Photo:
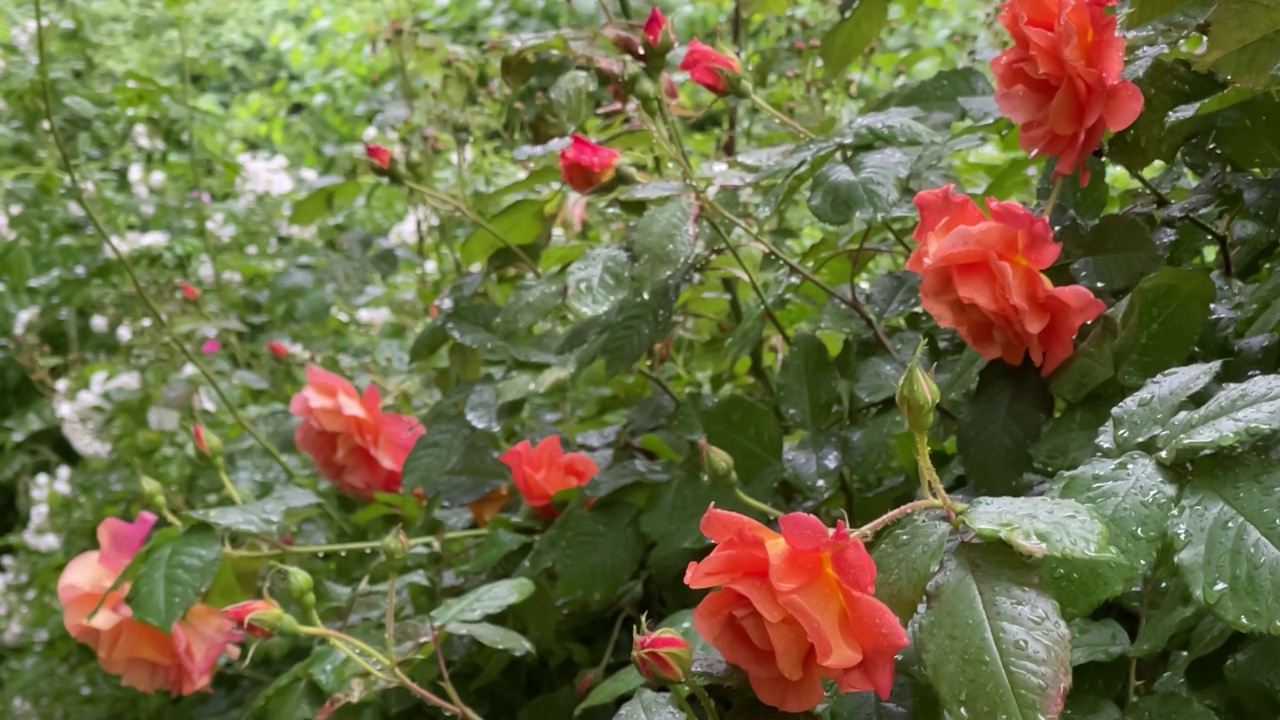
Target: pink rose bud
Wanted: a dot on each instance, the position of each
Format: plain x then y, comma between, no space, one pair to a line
190,292
662,656
206,442
379,155
278,349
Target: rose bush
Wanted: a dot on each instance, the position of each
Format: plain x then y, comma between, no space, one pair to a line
681,321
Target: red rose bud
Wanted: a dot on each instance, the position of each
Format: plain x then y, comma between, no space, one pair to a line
190,292
206,441
379,155
715,71
278,349
662,656
259,617
585,165
658,35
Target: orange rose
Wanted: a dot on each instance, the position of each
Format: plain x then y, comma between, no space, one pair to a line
794,608
180,662
352,442
1061,79
982,277
541,472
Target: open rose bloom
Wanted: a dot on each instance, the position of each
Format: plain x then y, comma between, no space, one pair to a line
541,472
181,661
1061,79
352,441
708,68
794,608
982,277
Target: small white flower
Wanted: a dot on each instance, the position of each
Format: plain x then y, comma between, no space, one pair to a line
24,318
99,323
124,333
156,179
373,316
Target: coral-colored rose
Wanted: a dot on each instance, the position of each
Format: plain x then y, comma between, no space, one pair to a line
708,68
982,277
351,440
257,617
794,608
1061,79
584,164
180,662
541,472
379,155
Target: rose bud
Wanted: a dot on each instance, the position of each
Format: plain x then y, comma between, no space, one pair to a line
379,155
585,165
259,617
715,71
658,35
190,292
917,396
279,349
206,442
662,656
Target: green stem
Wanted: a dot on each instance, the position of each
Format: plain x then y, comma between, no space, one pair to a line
683,702
391,619
475,217
361,545
781,117
1053,197
756,504
78,194
868,531
228,486
927,471
707,703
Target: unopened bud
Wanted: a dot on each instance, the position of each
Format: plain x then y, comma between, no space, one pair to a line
716,463
262,618
152,490
395,546
662,656
298,580
917,397
206,442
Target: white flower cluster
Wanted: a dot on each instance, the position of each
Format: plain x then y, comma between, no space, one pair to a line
374,317
23,37
23,319
134,240
141,137
261,175
219,227
39,535
100,324
14,596
141,183
406,232
83,413
294,232
204,271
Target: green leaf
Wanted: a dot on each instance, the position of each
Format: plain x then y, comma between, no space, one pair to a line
494,636
260,516
1244,41
497,544
663,240
593,576
1005,416
324,201
1171,611
1238,413
943,94
1251,675
482,602
596,281
993,643
1132,495
1115,254
1161,322
623,335
850,37
455,463
650,705
1165,85
623,682
1147,412
572,97
1227,538
1142,12
907,556
750,434
1097,641
894,293
523,222
1040,526
1168,705
174,576
807,384
1080,586
1090,707
864,188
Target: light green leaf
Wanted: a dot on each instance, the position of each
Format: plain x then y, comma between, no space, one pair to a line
1239,413
1227,538
623,682
324,201
523,222
1040,526
598,280
1097,641
572,96
663,240
1148,411
482,602
850,37
260,516
495,636
864,188
993,643
650,705
907,556
174,576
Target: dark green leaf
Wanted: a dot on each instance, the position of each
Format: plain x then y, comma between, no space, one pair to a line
174,576
1116,253
260,516
864,188
1165,85
482,602
993,643
1040,526
1238,413
944,94
597,280
1169,706
592,576
1244,41
1161,322
1097,641
494,636
807,391
623,335
623,682
907,556
749,433
894,293
1146,412
1005,416
572,97
850,37
1227,537
1251,675
663,240
455,463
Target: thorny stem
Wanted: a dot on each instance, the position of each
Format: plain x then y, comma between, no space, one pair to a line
929,474
756,504
707,703
78,194
868,531
361,545
781,117
445,680
475,217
